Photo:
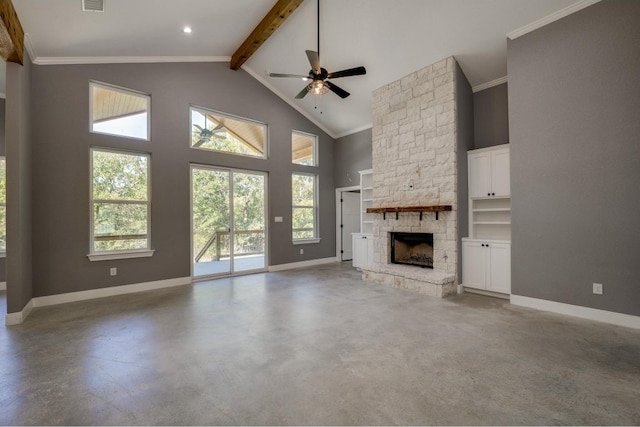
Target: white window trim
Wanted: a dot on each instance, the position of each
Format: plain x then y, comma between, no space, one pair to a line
316,160
231,116
316,208
120,254
124,90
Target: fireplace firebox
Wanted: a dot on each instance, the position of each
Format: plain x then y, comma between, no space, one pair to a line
412,249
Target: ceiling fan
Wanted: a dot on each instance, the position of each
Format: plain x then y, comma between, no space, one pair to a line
319,76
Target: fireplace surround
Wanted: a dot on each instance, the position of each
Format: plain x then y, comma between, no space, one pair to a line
422,129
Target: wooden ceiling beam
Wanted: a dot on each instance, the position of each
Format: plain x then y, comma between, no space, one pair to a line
270,23
11,34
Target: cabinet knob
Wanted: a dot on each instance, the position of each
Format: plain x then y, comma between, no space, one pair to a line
488,194
482,245
493,194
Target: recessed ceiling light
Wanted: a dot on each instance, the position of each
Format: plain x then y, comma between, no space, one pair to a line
186,30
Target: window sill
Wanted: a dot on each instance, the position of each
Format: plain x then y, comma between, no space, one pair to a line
305,241
107,256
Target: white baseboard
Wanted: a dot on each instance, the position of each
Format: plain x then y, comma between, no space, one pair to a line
611,317
301,264
17,318
3,286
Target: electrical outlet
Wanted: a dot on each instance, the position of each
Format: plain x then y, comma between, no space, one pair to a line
301,251
597,288
113,271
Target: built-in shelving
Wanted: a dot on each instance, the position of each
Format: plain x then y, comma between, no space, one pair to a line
366,201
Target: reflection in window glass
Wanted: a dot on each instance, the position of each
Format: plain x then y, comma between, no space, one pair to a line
120,112
303,148
219,132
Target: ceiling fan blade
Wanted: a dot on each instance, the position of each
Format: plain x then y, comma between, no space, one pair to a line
314,60
358,71
302,93
337,90
288,75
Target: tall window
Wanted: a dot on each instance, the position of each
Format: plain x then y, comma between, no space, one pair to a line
3,205
118,111
120,202
304,149
304,206
215,131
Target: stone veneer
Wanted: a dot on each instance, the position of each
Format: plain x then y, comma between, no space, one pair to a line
414,142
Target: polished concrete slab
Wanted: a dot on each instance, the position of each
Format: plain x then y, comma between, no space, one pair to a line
313,346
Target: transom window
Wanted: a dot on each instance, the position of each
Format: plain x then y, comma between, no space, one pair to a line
304,148
120,201
118,111
304,207
211,130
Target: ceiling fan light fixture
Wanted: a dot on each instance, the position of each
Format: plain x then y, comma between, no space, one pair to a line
318,87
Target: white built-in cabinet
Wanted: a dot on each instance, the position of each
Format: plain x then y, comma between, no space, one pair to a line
362,250
363,241
486,265
486,253
489,173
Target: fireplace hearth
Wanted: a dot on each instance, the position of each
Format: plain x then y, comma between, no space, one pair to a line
411,249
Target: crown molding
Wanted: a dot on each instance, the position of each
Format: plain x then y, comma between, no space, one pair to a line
69,60
288,100
551,18
126,59
355,130
487,85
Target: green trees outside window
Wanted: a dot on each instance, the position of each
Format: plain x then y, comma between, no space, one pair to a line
304,206
119,201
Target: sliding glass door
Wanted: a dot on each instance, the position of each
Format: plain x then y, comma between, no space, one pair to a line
228,221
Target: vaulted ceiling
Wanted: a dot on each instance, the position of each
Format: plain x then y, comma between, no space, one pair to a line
391,38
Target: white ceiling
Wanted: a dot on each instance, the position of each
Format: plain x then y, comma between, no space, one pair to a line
391,38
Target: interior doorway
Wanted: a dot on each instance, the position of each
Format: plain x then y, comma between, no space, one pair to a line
228,221
347,220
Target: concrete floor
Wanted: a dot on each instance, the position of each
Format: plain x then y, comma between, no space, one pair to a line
313,346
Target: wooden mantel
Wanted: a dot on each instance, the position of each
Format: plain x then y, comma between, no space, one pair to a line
421,209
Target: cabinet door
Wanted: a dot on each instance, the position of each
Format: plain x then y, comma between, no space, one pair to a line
480,175
501,185
474,264
359,250
499,277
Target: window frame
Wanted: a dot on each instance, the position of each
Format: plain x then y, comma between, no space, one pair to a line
315,139
147,96
315,207
95,255
205,111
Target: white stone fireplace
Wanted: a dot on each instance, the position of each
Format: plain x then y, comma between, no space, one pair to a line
415,164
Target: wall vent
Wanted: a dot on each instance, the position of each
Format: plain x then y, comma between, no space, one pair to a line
93,5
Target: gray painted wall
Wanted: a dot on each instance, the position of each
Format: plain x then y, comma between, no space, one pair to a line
352,153
19,185
574,103
61,168
464,135
491,111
